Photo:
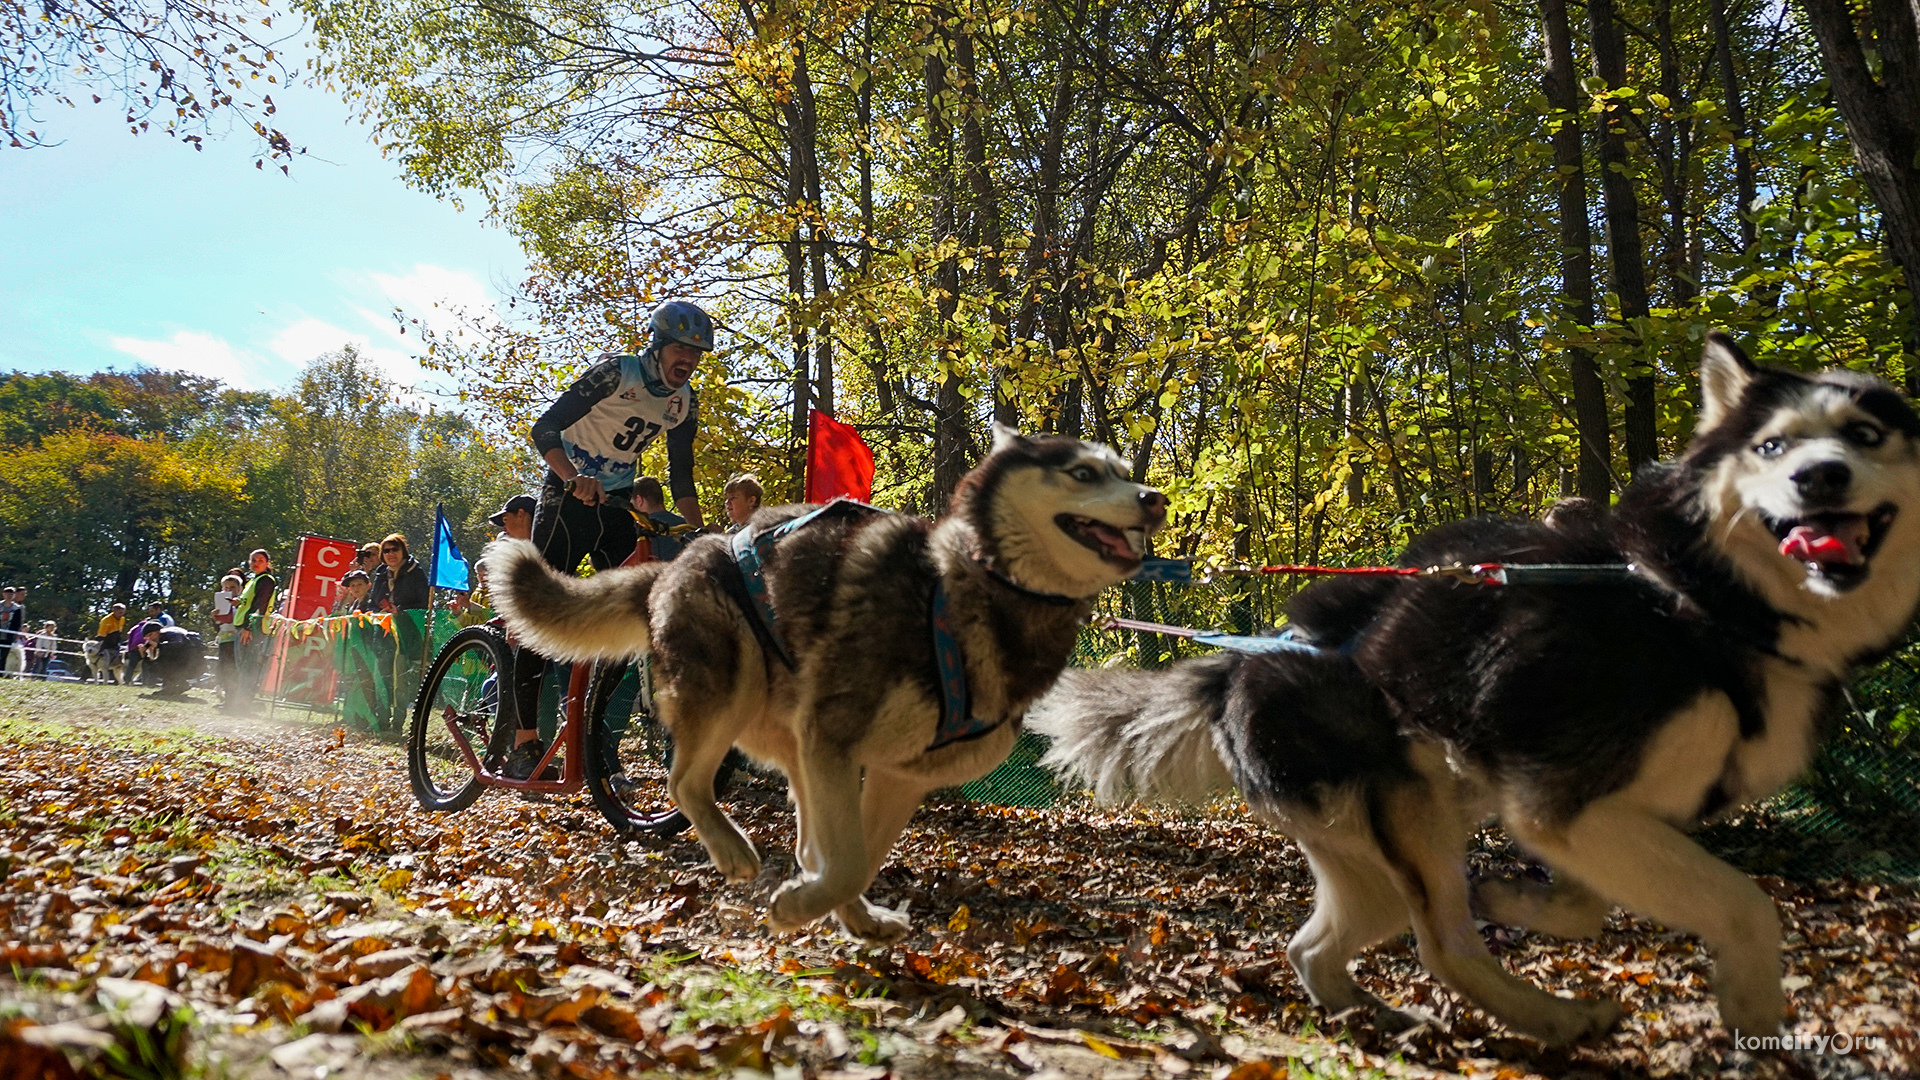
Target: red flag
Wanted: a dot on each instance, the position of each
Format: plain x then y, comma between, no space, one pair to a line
838,462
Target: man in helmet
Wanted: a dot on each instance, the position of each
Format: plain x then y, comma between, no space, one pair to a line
591,438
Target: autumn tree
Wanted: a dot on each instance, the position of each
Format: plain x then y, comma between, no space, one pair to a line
178,64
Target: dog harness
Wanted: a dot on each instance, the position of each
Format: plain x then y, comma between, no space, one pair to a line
751,548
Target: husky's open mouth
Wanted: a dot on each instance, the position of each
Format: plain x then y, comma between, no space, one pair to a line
1836,545
1122,547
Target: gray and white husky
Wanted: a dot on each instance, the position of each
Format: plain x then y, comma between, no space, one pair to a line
1596,722
847,697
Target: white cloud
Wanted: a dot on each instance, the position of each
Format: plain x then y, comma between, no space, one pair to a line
442,299
201,353
299,342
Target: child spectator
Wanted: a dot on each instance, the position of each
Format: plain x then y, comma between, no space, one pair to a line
743,495
41,647
354,588
226,604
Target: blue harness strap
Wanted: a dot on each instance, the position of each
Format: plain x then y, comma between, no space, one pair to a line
750,551
957,722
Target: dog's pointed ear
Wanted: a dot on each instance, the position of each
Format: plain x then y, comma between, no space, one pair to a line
1725,372
1003,436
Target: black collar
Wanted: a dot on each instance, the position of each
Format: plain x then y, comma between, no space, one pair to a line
1056,599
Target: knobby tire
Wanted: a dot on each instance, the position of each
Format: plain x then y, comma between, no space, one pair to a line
491,645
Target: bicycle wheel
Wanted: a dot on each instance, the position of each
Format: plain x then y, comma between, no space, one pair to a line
629,753
458,703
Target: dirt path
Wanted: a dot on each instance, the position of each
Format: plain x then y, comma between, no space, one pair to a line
277,875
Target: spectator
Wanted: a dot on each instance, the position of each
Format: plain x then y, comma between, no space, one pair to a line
226,605
651,500
400,587
354,588
401,583
173,657
41,647
743,495
253,638
515,519
157,611
9,607
13,624
136,660
113,628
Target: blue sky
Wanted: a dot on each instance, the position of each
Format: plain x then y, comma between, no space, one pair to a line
122,250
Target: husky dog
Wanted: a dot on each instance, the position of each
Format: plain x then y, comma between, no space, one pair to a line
1597,722
846,696
100,666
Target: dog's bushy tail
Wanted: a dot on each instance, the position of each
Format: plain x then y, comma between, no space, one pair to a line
1139,735
603,617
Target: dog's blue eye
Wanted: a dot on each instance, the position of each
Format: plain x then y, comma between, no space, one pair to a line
1863,434
1082,473
1771,448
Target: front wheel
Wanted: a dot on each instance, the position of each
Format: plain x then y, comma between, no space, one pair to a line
455,711
629,754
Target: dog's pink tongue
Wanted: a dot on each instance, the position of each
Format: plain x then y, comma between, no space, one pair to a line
1112,539
1815,544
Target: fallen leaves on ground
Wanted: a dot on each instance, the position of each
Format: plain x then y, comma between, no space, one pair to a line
277,874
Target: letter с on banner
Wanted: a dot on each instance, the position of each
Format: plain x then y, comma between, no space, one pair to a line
316,576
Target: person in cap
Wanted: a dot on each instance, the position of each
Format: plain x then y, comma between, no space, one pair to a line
354,587
515,519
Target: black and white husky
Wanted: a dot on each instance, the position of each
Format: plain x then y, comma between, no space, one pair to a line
1596,722
838,675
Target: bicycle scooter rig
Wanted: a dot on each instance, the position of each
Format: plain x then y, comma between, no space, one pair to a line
607,741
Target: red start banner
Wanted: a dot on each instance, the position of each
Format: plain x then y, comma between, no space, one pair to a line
317,571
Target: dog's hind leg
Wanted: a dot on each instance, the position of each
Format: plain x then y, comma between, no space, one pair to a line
703,731
1565,909
887,803
1648,866
1423,834
1354,905
828,794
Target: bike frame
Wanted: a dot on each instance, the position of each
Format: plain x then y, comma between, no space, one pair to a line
572,736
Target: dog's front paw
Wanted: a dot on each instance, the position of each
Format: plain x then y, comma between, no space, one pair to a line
792,906
1582,1019
733,856
872,923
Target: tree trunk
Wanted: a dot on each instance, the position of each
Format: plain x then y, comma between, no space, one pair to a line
1623,231
863,114
950,434
1883,123
1595,459
983,231
1744,184
1676,152
807,145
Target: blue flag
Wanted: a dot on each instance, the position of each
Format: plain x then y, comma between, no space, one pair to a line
1178,570
449,569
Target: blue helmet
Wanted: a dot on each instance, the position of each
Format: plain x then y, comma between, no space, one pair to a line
682,321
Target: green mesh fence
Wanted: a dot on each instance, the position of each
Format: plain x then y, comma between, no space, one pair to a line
1856,813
